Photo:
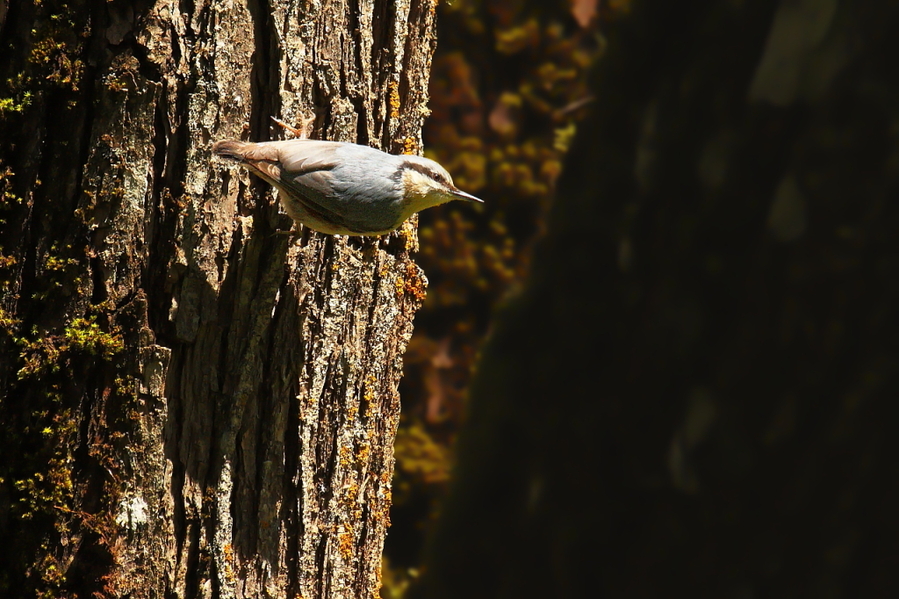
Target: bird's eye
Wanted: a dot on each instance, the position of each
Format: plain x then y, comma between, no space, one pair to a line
440,178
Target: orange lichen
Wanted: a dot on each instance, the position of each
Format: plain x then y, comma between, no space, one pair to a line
346,543
410,145
393,99
413,283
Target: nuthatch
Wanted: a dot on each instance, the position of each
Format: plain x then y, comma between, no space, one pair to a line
344,188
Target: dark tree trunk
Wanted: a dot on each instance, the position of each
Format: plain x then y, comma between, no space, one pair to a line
695,395
194,405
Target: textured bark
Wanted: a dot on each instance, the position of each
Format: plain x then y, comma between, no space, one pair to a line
231,408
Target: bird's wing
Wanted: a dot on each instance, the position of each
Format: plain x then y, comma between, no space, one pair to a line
301,167
300,156
307,165
305,169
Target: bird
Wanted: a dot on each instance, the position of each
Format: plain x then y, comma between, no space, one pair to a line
342,188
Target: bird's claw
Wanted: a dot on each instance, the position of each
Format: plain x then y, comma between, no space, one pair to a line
301,133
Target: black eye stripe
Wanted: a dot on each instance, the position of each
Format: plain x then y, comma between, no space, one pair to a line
427,172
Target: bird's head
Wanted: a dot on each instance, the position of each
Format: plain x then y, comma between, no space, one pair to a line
426,184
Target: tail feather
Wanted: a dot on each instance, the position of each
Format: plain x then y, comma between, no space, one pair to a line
236,150
246,151
259,158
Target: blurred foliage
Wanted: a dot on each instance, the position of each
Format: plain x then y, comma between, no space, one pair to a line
508,86
695,393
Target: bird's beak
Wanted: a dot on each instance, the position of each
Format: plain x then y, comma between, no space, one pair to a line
461,195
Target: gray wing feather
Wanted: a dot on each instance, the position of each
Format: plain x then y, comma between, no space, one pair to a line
300,156
309,169
306,169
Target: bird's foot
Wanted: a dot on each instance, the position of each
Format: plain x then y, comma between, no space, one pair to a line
301,133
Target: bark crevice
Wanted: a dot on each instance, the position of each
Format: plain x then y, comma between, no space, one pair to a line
238,387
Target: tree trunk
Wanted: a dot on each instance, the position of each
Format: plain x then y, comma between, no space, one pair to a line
194,405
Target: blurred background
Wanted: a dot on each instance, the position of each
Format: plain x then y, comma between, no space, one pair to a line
508,87
663,356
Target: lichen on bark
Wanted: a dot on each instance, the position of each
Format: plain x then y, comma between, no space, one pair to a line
239,444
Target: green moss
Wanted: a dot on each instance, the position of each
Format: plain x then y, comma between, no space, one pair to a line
84,334
7,197
8,105
46,353
58,47
52,487
8,323
61,272
58,367
63,366
54,58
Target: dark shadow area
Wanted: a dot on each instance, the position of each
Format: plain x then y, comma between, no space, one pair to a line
695,392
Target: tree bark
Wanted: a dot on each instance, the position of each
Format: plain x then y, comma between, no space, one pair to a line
194,405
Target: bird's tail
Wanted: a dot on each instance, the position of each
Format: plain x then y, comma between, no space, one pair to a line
246,151
236,150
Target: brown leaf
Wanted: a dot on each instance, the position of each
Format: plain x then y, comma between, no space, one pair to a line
584,11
